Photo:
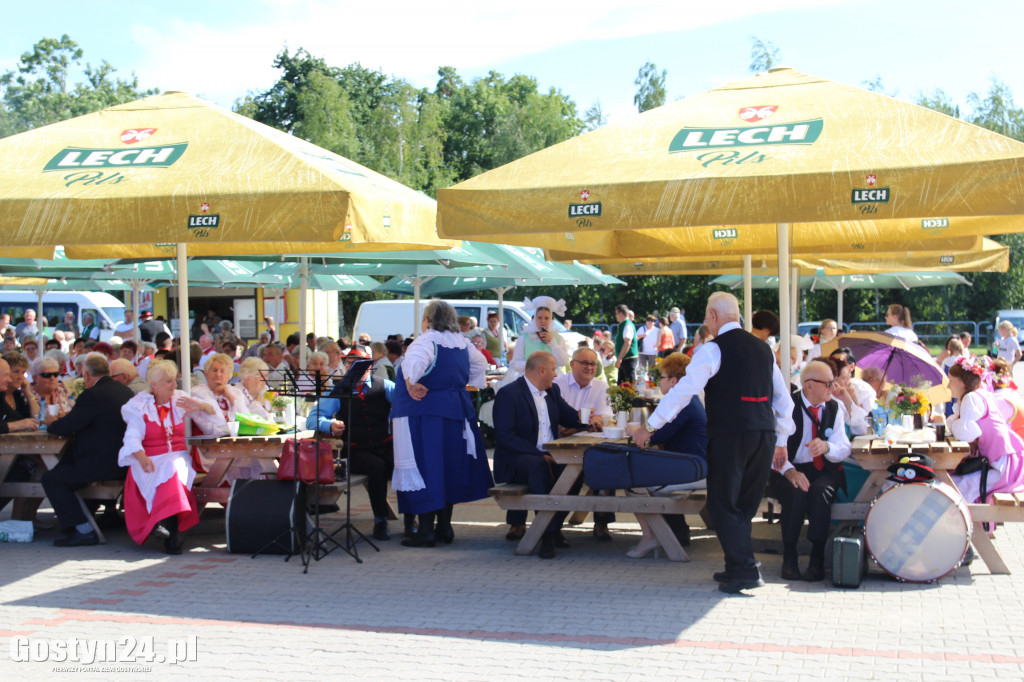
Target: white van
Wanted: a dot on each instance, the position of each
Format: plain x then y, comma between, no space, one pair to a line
107,310
381,318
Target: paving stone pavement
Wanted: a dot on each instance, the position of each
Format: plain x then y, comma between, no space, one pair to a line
473,610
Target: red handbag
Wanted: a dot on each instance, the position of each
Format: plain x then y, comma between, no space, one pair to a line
313,466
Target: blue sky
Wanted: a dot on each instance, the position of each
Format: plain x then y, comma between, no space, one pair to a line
222,50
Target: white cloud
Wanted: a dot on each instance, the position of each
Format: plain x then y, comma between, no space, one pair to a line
409,39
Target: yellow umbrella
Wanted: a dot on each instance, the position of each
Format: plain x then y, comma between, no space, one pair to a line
738,240
986,256
174,169
781,147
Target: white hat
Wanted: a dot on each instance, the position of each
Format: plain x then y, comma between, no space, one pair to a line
556,307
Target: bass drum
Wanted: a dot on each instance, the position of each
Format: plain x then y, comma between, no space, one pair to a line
918,532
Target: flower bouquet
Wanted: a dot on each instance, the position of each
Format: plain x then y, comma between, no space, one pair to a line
622,396
910,401
77,387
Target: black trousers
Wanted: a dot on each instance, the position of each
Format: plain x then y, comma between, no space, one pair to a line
815,505
738,468
536,473
377,464
61,482
627,370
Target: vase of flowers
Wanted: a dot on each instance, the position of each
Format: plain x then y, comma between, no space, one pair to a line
910,401
282,406
621,397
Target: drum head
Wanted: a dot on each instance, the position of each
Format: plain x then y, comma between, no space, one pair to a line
918,532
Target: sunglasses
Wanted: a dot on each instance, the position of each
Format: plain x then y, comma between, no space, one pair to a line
828,384
49,375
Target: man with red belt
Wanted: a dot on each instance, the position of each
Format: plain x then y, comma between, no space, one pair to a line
812,472
749,418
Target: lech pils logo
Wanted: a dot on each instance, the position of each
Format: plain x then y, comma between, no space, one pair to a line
585,209
946,260
874,195
798,132
200,224
78,158
934,223
725,235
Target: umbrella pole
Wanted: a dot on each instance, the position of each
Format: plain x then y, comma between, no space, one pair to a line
303,292
501,325
782,245
417,282
40,320
839,309
748,287
184,341
136,289
794,299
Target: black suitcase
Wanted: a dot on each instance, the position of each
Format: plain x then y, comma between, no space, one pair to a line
609,466
849,558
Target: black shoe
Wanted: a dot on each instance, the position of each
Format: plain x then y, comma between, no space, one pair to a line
968,557
547,549
790,570
722,577
77,539
515,533
601,533
739,584
421,539
559,541
815,571
445,534
410,525
173,546
380,531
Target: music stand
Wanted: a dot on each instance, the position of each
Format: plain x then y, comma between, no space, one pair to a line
343,390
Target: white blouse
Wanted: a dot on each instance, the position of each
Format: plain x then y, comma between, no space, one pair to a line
420,356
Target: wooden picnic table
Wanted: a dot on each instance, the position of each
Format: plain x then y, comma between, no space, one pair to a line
876,455
47,449
569,451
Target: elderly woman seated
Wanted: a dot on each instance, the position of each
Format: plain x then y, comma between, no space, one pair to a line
160,475
220,401
18,396
317,362
253,385
47,386
687,433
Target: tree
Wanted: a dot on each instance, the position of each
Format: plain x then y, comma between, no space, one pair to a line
650,92
39,92
763,55
594,118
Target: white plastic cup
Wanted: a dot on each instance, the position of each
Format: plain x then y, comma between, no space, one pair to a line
52,410
585,415
233,429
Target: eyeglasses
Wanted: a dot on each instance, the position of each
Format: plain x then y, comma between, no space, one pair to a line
112,376
585,364
828,384
49,375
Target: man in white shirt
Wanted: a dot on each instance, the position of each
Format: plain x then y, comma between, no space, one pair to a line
126,329
649,335
677,323
581,390
749,418
812,471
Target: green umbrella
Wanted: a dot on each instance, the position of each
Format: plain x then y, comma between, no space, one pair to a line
840,283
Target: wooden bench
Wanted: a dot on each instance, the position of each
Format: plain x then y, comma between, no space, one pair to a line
30,494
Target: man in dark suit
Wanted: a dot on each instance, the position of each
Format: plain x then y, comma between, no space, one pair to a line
527,414
96,423
806,483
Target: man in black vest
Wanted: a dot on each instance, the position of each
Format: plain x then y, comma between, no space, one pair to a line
749,417
370,434
812,472
98,427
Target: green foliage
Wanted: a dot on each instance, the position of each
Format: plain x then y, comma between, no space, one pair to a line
650,87
39,92
763,55
594,118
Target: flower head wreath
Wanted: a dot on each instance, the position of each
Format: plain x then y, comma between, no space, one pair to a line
977,369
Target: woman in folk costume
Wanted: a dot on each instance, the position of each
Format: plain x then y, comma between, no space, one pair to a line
440,458
977,420
160,474
1011,404
541,334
